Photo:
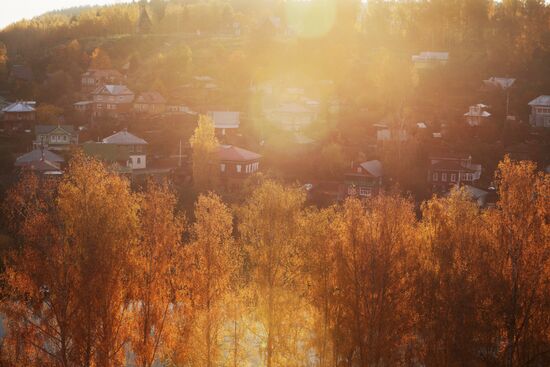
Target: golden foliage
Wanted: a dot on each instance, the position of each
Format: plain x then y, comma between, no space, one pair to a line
97,270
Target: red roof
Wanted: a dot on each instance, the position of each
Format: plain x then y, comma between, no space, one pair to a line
236,154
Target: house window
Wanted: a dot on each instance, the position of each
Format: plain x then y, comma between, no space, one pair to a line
138,160
453,177
64,137
444,177
363,191
238,168
434,176
99,106
222,167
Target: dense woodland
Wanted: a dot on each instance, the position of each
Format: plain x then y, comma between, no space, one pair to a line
96,271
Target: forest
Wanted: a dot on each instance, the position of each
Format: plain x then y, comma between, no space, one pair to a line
98,274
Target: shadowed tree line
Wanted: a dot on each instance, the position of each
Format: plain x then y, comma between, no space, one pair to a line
100,275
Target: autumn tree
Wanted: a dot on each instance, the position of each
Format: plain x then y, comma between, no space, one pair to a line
3,60
450,289
205,146
49,114
269,229
374,246
519,270
100,216
68,278
215,261
320,273
38,279
157,272
100,59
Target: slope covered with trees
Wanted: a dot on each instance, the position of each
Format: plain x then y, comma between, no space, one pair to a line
98,270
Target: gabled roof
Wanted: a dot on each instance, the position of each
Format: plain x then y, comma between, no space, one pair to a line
83,103
225,119
20,107
42,166
540,101
236,154
478,113
36,155
150,97
374,167
113,89
497,82
124,138
475,192
46,129
431,56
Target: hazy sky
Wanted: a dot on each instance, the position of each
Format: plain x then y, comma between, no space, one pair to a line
14,10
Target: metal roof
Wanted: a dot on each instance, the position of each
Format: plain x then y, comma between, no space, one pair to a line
478,113
543,100
46,129
431,56
225,119
42,166
20,107
236,154
374,167
113,89
503,83
124,138
36,155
